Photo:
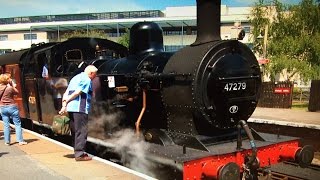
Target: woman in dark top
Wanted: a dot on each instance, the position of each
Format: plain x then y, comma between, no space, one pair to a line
9,109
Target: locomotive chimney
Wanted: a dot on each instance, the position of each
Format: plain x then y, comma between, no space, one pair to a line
208,21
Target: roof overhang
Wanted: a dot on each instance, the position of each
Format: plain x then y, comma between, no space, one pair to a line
114,23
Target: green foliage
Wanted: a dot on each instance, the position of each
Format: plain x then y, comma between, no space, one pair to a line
258,21
125,39
293,38
300,105
84,33
296,90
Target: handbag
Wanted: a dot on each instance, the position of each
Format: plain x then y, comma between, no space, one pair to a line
3,92
61,125
1,97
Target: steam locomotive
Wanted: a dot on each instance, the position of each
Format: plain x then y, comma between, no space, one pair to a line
191,106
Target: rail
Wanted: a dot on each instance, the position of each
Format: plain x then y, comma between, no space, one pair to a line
292,171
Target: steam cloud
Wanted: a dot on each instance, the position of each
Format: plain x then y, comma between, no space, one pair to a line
104,124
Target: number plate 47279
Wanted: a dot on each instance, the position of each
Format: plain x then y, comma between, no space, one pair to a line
235,86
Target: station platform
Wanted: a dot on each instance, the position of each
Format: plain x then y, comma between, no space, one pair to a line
44,158
286,117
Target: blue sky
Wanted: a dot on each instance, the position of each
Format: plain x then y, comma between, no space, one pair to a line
15,8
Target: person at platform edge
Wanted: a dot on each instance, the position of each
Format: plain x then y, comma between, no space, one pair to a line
9,109
77,101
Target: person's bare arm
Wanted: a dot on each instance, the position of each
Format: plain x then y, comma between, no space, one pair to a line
14,86
66,99
69,98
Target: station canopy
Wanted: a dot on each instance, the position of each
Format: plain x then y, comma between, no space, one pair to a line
111,25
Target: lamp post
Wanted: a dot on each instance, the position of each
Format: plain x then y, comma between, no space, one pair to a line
265,41
264,59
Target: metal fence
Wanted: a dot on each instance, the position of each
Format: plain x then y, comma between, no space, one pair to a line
301,95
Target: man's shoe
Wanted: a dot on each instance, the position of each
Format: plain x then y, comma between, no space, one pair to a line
83,157
22,143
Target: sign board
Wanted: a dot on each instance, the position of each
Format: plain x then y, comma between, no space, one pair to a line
282,90
263,61
111,82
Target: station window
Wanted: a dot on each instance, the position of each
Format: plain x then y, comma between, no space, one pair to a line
3,37
172,48
3,51
172,33
30,36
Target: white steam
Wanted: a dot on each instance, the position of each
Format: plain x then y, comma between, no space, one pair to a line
104,124
132,149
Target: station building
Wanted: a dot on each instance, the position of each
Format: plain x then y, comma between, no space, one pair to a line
178,24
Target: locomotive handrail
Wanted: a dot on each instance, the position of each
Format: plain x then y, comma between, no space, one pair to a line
165,76
149,76
239,77
144,106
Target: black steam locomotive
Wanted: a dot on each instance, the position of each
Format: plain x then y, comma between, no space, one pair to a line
204,89
191,105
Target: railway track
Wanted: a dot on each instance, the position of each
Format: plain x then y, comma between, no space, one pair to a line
292,171
289,170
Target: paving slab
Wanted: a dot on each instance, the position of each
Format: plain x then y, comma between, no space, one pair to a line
44,158
286,117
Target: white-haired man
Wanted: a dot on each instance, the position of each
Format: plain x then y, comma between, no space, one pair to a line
76,101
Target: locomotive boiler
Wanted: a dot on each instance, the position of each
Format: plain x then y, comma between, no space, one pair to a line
193,104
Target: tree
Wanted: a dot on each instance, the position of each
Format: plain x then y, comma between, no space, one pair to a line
84,33
293,38
125,39
259,20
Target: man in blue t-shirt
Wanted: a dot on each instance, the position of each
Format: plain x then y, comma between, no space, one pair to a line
76,101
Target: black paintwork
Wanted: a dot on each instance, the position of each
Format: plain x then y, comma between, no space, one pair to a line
41,97
186,91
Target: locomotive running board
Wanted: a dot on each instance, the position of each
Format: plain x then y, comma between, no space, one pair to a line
166,138
188,141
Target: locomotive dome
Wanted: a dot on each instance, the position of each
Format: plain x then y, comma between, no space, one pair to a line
145,37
